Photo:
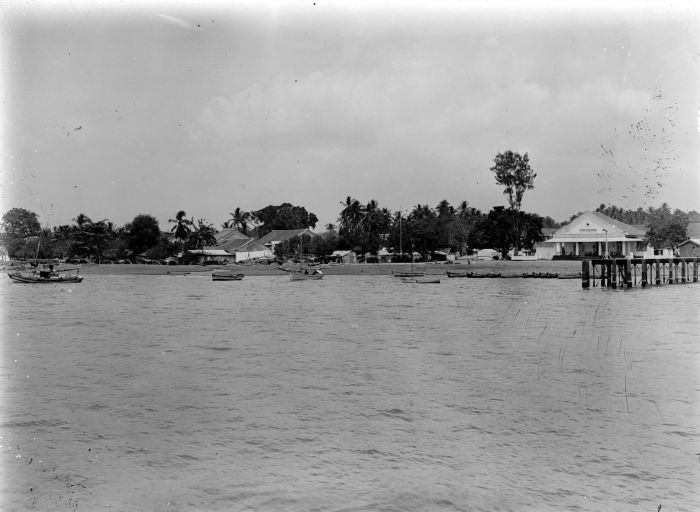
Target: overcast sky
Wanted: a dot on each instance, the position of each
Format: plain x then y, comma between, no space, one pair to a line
117,109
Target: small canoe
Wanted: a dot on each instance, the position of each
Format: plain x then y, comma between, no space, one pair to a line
421,280
541,275
226,275
487,275
408,274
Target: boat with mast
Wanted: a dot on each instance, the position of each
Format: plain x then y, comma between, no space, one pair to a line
412,273
46,274
304,275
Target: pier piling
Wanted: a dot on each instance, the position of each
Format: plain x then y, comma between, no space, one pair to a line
607,273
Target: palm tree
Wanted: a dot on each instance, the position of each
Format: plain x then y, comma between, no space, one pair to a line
351,219
240,220
203,234
81,240
182,227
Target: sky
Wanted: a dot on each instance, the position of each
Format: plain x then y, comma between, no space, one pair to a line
115,109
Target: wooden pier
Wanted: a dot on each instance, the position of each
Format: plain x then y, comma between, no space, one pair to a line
629,272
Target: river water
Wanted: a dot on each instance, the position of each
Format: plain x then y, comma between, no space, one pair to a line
355,393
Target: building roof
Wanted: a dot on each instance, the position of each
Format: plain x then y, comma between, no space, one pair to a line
695,241
597,227
227,234
209,252
340,253
243,245
281,235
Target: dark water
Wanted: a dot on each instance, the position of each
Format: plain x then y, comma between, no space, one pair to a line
176,393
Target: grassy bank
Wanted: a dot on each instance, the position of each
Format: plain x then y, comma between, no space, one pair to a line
504,267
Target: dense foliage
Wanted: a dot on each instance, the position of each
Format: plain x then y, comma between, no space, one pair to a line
284,216
514,173
365,228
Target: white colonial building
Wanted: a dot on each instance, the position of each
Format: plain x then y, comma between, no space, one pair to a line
593,234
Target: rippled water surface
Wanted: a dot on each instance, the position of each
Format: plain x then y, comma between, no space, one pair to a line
176,393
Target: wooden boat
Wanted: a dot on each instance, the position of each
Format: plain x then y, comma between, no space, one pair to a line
487,275
304,275
541,275
46,276
226,275
421,280
410,274
456,274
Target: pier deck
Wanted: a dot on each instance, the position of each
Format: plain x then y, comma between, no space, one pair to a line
630,272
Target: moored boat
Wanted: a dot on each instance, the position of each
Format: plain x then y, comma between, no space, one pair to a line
305,275
421,280
226,275
486,275
408,274
46,276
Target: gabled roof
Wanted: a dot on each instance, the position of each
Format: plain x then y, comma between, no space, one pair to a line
281,235
209,252
694,241
227,234
593,226
243,245
340,253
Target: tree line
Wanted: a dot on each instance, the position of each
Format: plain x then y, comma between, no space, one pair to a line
364,227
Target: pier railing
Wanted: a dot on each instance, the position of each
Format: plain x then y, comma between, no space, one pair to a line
629,272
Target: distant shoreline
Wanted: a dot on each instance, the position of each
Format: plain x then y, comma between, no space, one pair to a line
565,267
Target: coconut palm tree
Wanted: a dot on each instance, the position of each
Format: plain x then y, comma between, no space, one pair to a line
182,227
202,234
351,219
240,220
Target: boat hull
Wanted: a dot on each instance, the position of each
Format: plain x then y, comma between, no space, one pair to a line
295,276
227,277
421,280
409,274
30,279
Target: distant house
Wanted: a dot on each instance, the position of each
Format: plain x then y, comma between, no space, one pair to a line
343,257
278,236
243,247
593,234
229,234
546,249
210,255
690,248
487,254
